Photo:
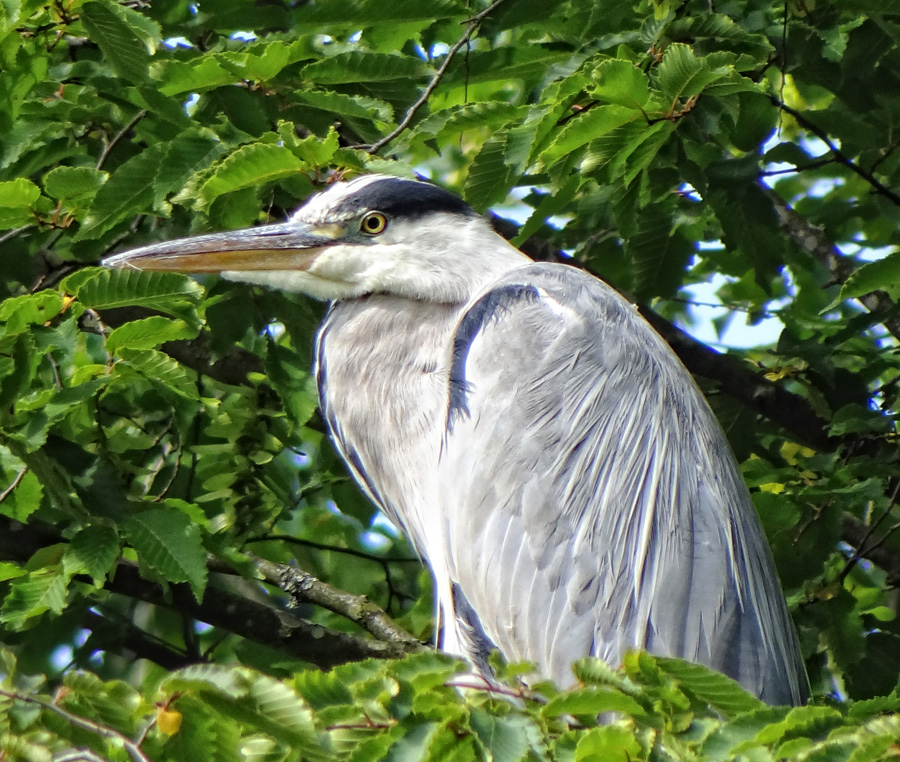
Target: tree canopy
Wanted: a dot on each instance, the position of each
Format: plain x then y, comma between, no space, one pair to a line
186,569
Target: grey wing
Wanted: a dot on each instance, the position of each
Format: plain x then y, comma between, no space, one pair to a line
592,503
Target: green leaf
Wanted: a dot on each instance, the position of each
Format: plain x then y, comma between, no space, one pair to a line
489,179
551,204
202,73
347,105
25,499
610,743
41,591
159,368
682,75
148,333
592,702
106,289
169,543
73,182
710,687
22,312
358,66
507,738
468,116
129,191
314,151
10,571
658,254
247,167
94,549
122,46
881,275
620,82
18,193
583,128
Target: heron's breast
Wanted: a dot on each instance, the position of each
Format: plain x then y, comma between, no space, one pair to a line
383,368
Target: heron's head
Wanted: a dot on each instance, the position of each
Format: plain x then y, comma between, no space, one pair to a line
374,234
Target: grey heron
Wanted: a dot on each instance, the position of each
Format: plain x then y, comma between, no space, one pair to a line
547,454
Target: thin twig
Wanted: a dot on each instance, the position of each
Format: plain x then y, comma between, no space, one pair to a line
347,551
80,722
471,26
118,136
15,483
13,233
862,547
804,122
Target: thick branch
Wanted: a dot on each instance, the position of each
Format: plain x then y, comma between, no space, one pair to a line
264,624
304,588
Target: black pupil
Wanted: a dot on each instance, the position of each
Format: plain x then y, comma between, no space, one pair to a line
373,222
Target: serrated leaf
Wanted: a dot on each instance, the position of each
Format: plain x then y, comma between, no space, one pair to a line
25,499
710,686
148,333
128,191
10,571
168,542
657,254
18,193
321,689
468,116
93,549
21,312
158,368
28,597
261,702
73,182
608,743
620,82
249,166
359,66
313,151
489,179
106,289
202,73
682,75
584,128
884,274
294,383
122,47
507,738
346,105
593,702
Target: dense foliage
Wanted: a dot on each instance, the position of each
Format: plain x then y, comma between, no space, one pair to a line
164,477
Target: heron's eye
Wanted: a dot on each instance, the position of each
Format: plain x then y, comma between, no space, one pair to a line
373,223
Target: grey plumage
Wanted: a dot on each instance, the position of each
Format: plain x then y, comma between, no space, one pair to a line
545,451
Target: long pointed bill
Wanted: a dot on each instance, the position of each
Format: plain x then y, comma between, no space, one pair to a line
289,246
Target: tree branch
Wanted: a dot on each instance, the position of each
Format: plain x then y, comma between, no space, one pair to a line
813,241
822,135
265,624
471,27
131,747
304,588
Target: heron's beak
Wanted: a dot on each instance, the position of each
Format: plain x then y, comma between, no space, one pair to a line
288,246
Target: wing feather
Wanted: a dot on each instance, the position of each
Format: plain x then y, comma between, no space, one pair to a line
592,503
